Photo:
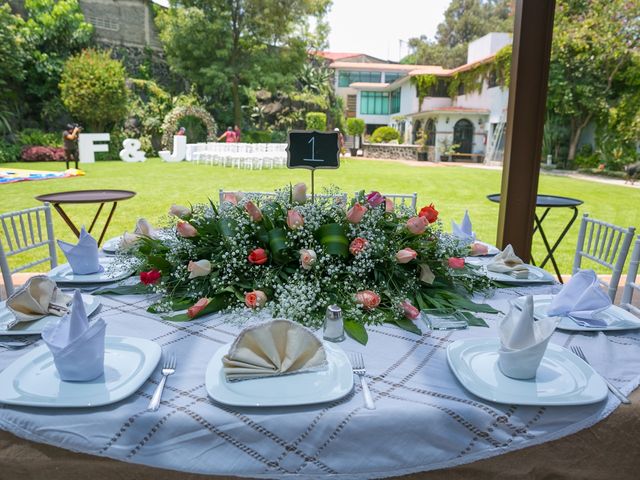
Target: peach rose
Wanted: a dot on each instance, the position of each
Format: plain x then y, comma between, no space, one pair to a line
368,299
299,193
197,307
409,310
478,249
406,255
389,207
456,263
201,268
417,225
307,258
357,245
186,230
231,198
253,211
355,213
294,220
179,211
128,240
255,299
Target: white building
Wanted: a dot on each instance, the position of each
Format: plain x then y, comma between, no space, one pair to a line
383,94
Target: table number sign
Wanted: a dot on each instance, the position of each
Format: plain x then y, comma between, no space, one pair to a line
313,150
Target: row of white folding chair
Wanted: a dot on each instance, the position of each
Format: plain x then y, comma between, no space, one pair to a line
245,155
403,199
26,230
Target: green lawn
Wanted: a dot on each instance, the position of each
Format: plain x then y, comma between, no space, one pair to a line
451,188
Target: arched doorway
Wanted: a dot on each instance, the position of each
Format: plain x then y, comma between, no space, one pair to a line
415,131
463,135
430,132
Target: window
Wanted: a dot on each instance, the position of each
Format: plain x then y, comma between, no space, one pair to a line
463,135
347,78
440,89
492,81
374,103
394,101
391,77
430,132
105,23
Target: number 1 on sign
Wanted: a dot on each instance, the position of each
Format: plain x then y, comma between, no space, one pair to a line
313,151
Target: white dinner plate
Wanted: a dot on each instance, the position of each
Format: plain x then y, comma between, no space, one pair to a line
111,246
299,389
562,378
536,275
91,303
62,274
616,318
33,381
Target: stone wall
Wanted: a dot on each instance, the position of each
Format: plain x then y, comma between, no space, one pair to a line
390,150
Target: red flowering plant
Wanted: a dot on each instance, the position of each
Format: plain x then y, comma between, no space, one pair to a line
292,258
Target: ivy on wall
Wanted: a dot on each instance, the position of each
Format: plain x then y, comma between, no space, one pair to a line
423,85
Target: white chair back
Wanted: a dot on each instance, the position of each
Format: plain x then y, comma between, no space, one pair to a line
339,198
605,244
405,199
22,231
631,285
256,195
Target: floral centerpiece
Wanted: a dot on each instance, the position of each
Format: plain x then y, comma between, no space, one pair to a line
294,257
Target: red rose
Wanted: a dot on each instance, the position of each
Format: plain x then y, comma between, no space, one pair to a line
456,263
150,277
197,307
258,256
429,212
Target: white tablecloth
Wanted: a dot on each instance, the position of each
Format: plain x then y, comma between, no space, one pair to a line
424,418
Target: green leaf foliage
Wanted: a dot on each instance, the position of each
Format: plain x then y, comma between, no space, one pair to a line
356,331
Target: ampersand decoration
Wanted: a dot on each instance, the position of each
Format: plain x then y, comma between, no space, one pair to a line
131,151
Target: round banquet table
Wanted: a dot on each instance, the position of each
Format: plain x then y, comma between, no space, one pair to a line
87,196
424,421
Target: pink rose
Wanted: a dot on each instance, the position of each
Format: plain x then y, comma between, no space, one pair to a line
258,256
307,258
389,207
179,211
255,299
374,199
417,225
478,249
299,193
253,211
357,245
197,307
355,213
456,263
186,230
231,198
368,299
406,255
294,220
409,310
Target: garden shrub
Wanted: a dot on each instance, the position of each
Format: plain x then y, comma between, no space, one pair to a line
256,136
355,126
9,152
586,157
384,135
42,154
36,137
316,121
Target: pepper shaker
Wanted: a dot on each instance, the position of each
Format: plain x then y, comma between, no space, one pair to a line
333,330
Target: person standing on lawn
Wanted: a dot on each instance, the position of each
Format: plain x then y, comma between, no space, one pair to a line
70,141
236,131
229,136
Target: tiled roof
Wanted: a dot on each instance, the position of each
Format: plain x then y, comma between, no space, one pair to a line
386,67
334,56
457,110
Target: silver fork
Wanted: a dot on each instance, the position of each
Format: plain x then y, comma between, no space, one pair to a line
621,396
169,368
18,344
357,365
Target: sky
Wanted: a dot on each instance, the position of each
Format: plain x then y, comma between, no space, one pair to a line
376,27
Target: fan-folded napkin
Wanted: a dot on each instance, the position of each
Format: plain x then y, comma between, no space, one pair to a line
37,298
581,299
279,347
464,231
508,262
77,346
523,341
82,257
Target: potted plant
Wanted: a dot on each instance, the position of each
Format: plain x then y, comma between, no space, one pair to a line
447,149
355,128
423,150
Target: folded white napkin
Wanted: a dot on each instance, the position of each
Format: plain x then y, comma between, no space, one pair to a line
82,257
523,341
77,345
508,262
464,231
581,299
280,347
37,298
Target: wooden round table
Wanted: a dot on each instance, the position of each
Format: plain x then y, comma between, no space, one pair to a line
87,196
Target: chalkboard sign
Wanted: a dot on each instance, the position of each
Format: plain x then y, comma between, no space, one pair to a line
312,149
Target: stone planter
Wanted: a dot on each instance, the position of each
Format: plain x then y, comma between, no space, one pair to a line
423,156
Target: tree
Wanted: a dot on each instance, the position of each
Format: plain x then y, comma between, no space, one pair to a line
53,31
234,45
594,47
12,59
464,21
93,89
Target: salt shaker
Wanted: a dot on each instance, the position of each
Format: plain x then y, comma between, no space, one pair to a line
333,329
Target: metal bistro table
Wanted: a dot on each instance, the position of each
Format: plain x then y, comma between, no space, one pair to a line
87,196
548,202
